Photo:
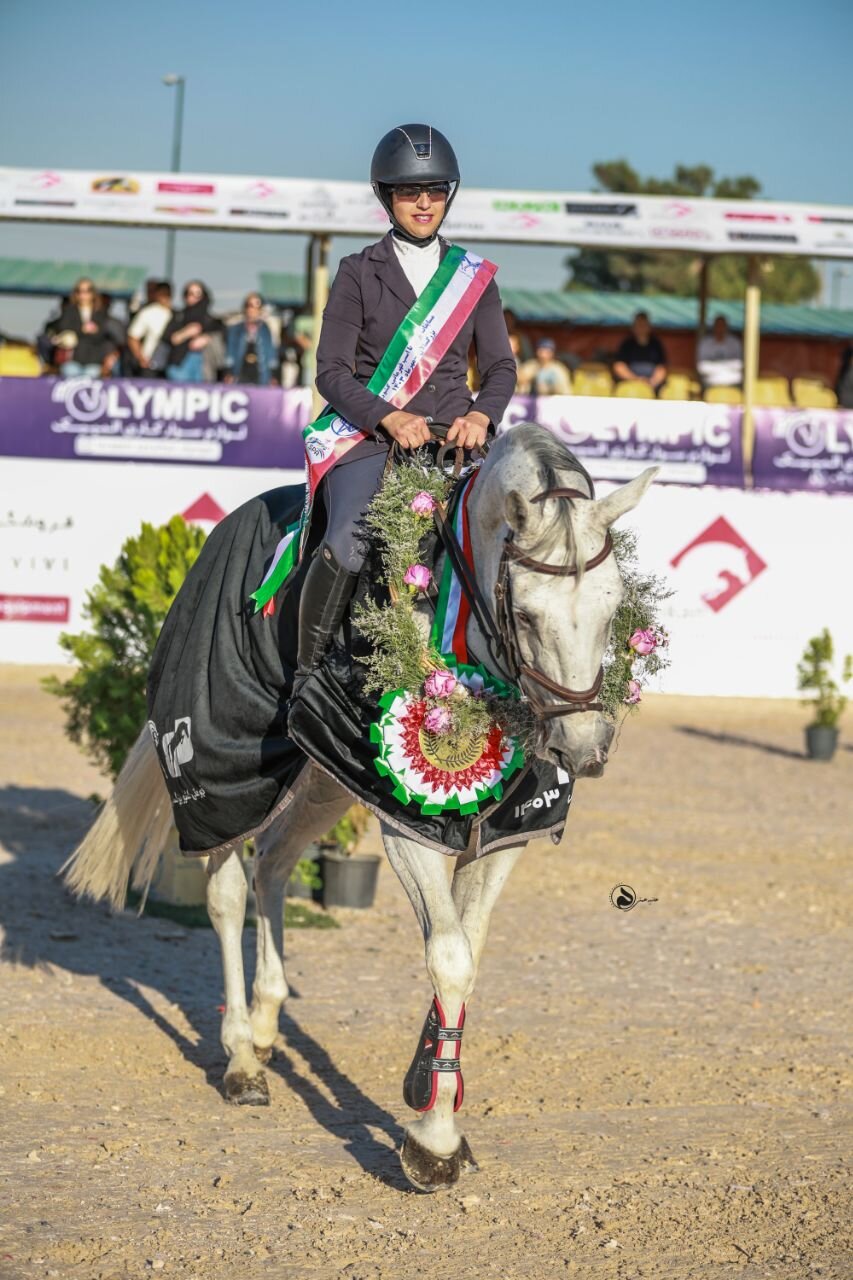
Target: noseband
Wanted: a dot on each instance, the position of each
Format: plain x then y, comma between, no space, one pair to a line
575,700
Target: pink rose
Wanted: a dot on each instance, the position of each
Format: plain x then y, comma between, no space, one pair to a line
440,684
438,720
643,642
423,503
634,694
417,576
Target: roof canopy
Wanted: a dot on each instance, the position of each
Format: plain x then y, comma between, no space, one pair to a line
282,288
252,203
49,279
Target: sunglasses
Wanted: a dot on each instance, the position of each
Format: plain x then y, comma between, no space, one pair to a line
412,190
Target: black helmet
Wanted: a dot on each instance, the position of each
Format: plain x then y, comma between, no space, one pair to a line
413,153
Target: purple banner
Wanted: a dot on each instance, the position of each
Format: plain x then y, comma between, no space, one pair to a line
693,443
129,420
804,449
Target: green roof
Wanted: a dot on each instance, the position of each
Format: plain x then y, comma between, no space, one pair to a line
24,275
282,289
617,310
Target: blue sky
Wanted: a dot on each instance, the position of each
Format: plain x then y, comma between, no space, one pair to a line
531,96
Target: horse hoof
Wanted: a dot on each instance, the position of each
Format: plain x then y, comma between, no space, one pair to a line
247,1091
263,1055
466,1158
429,1172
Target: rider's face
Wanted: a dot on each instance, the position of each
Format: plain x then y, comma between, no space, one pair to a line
420,215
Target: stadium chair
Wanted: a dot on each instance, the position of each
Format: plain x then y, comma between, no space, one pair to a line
678,386
772,390
633,389
17,361
813,393
723,395
587,381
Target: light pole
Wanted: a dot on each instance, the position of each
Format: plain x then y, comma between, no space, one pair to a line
179,83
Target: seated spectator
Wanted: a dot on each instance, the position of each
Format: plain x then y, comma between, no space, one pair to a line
82,339
250,351
545,375
195,337
641,357
719,356
844,385
145,334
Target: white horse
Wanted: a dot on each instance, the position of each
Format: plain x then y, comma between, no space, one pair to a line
560,626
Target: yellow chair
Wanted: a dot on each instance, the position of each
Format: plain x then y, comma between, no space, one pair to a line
772,390
633,389
678,386
723,395
813,393
17,361
592,382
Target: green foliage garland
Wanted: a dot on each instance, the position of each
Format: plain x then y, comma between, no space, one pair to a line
639,611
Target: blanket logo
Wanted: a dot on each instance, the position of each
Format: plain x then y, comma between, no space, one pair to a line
178,746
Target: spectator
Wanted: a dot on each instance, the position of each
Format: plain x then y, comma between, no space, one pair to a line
545,375
719,356
250,350
641,357
192,333
145,334
844,385
83,330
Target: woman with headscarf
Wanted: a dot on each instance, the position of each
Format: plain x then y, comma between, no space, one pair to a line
189,334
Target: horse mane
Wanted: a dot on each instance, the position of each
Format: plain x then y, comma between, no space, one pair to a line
551,458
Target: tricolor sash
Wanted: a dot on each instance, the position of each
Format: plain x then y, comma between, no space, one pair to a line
424,336
452,609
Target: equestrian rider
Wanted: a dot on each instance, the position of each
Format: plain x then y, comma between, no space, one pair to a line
415,176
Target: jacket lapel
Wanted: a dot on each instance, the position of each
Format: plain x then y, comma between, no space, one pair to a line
387,267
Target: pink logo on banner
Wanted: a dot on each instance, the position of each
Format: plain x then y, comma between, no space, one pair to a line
205,510
34,608
732,562
187,188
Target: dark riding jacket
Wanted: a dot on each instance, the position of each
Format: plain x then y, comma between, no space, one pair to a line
369,298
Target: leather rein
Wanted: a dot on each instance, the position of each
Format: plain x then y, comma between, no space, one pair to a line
498,630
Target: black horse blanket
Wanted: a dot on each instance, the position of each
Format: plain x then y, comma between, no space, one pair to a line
230,739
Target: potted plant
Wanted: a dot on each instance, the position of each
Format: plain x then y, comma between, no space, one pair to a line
815,672
349,878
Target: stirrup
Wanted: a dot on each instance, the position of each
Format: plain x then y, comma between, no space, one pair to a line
420,1087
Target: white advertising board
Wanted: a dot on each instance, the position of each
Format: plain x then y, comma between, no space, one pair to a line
257,203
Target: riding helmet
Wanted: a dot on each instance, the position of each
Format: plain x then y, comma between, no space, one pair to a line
408,154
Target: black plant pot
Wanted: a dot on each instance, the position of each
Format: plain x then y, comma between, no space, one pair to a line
821,741
349,881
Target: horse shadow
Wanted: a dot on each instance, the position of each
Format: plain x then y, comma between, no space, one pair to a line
738,740
43,926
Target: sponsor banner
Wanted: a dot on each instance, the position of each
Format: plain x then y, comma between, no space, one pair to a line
804,449
693,443
743,609
149,420
350,208
59,523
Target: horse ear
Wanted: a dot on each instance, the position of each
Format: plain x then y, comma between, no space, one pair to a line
517,511
625,498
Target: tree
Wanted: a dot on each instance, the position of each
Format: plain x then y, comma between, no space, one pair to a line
785,279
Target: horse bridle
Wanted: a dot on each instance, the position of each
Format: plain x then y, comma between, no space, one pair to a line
498,631
576,700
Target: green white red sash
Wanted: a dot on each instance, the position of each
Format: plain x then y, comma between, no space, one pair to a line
452,609
424,336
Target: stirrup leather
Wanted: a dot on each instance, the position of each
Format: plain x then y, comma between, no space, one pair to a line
420,1087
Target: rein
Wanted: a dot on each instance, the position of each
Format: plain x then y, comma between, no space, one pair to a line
498,630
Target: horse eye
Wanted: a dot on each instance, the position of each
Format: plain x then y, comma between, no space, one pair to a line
523,619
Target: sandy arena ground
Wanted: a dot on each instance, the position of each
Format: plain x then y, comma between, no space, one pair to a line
660,1092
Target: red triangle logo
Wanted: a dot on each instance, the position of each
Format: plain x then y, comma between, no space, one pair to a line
204,508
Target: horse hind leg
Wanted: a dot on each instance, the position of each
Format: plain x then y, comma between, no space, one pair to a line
317,804
227,891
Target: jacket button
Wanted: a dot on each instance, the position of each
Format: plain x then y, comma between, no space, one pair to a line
431,386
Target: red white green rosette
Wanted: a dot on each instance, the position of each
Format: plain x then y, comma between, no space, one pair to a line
441,772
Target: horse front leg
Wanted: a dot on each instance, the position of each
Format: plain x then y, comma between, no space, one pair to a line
434,1151
227,891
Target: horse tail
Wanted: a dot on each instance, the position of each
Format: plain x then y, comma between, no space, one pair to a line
128,834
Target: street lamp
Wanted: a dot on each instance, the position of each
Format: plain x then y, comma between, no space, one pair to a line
179,83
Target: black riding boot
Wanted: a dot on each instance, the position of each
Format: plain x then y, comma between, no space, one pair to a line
326,593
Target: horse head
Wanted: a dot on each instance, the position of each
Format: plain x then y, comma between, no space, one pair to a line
558,621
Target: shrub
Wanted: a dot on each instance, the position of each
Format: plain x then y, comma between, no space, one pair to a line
348,832
105,697
814,671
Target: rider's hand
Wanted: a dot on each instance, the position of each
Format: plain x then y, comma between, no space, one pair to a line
469,431
408,429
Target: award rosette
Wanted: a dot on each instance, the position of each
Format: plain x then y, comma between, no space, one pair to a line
444,771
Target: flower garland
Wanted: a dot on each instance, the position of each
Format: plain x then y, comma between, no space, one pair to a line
637,649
